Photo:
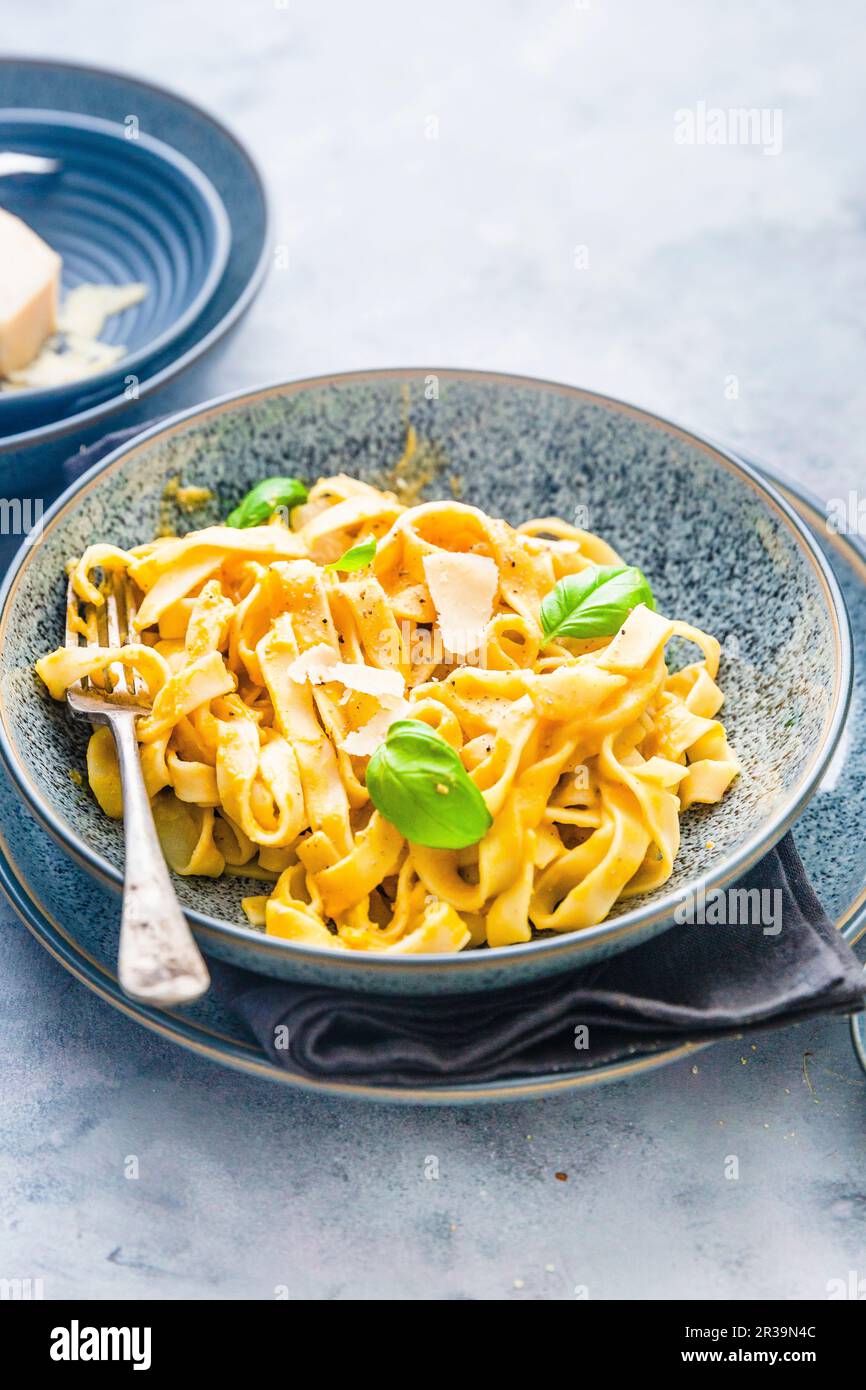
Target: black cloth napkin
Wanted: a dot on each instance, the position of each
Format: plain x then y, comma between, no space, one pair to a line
690,984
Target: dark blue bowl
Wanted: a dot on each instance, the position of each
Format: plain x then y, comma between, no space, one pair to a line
123,207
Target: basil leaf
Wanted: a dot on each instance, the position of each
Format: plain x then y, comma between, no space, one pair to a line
594,603
418,783
263,500
357,557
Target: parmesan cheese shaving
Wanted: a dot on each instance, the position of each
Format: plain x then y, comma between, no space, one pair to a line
366,740
463,589
321,663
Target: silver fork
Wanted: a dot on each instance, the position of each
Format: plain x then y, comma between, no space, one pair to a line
158,961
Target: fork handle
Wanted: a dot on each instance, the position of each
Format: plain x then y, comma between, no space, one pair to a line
158,961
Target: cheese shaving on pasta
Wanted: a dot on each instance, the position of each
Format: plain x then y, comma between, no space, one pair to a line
270,681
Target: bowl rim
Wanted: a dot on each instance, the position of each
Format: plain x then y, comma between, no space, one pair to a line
220,228
658,913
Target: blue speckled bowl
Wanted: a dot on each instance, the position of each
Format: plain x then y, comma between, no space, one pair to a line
722,548
74,915
118,210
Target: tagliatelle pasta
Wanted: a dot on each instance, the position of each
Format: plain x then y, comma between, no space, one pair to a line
274,681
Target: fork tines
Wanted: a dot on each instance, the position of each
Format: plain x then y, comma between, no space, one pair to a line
109,625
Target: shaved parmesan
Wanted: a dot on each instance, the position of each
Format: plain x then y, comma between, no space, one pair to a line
463,588
316,665
366,740
321,663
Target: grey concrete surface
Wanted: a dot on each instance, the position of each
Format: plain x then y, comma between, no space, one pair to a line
551,225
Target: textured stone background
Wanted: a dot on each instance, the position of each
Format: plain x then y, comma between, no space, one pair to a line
555,131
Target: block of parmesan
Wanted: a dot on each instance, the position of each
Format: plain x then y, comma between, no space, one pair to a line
29,288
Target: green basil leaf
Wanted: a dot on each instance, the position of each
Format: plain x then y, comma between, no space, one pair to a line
357,557
418,783
594,603
263,500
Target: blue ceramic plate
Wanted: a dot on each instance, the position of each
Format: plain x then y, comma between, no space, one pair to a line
118,210
27,83
41,881
722,551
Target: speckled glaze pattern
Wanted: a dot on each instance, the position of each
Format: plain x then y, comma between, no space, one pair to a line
718,553
43,881
829,833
